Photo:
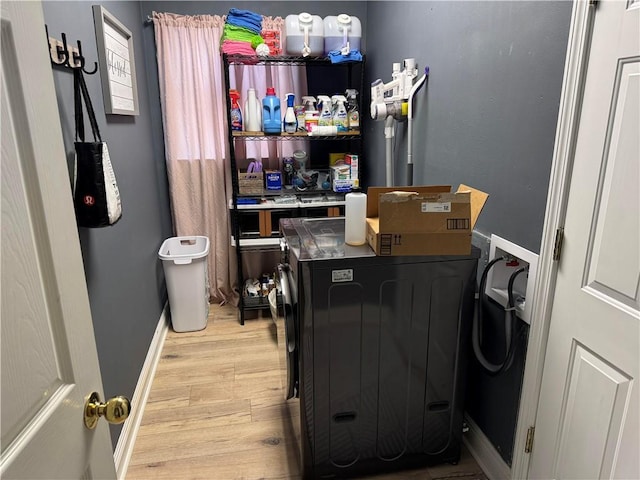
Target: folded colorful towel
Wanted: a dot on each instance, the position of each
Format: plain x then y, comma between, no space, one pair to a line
337,57
234,47
246,19
248,15
231,32
241,22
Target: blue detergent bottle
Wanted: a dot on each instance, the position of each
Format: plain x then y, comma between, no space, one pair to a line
271,119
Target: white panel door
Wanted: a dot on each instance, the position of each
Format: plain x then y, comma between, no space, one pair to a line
588,424
49,359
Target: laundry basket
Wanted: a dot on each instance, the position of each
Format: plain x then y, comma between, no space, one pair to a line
184,260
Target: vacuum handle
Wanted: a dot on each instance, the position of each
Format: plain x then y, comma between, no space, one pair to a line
409,174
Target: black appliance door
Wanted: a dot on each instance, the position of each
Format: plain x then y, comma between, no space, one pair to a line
286,330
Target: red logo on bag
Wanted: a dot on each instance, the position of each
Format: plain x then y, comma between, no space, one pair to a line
89,200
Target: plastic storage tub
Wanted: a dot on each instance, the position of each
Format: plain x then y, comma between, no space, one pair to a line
295,26
338,30
184,260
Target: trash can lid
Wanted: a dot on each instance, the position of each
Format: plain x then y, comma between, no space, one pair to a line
184,247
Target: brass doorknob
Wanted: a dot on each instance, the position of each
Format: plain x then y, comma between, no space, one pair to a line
115,410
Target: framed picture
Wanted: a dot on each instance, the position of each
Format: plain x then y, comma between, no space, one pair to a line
117,64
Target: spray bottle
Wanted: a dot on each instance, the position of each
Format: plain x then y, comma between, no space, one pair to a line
236,113
309,102
290,119
326,115
340,119
352,109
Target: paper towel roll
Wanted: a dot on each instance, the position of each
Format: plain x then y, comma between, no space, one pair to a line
323,130
355,218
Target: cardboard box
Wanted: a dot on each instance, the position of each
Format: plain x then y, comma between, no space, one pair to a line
352,160
340,172
273,179
341,185
428,220
336,159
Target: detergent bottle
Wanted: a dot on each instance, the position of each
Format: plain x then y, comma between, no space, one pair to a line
326,114
252,112
340,119
271,117
236,113
290,118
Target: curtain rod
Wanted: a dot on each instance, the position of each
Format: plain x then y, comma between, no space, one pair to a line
148,20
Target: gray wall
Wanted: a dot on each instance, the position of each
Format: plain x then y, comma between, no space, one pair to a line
488,114
124,277
486,118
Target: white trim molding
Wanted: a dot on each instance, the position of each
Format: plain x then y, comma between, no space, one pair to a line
566,132
127,439
485,454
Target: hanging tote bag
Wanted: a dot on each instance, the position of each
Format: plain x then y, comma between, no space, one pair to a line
96,196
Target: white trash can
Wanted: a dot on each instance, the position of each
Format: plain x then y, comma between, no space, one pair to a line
184,260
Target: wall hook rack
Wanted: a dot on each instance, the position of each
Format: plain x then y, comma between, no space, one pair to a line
66,55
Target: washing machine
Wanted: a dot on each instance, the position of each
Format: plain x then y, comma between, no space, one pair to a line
374,349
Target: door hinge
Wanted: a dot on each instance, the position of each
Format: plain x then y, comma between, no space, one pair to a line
528,446
593,3
557,244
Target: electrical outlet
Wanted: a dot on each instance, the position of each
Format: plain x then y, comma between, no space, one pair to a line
498,277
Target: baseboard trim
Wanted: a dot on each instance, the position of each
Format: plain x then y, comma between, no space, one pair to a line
127,439
485,453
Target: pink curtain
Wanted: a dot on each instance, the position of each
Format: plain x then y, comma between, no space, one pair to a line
192,94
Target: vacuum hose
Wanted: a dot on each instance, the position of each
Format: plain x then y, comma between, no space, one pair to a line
510,322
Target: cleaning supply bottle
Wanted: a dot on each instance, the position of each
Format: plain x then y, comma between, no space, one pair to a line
340,119
352,109
271,117
309,102
252,112
334,104
290,118
326,115
236,113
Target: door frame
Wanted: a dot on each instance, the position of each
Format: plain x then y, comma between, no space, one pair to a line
576,61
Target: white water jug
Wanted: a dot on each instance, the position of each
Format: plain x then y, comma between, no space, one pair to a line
252,112
340,30
304,34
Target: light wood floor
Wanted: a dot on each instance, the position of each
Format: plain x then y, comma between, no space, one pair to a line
216,410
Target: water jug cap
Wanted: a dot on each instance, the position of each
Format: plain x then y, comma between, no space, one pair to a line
305,18
344,19
271,91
